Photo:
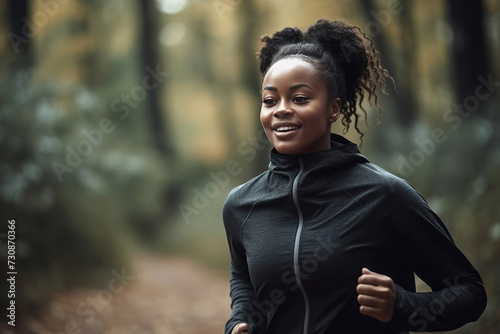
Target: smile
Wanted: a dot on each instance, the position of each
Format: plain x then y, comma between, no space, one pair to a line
286,128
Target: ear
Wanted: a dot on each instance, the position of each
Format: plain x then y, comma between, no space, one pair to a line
334,109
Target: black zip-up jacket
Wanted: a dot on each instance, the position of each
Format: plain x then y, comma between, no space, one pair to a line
300,233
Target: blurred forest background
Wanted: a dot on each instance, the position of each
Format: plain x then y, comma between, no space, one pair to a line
124,124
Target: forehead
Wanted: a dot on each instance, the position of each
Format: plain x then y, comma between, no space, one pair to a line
291,71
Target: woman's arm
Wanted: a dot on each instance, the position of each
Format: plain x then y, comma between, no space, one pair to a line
242,296
458,295
241,289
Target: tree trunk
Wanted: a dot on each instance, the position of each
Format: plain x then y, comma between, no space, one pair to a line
469,45
404,101
251,75
161,138
150,58
19,42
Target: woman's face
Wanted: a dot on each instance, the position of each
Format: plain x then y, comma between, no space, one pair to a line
296,110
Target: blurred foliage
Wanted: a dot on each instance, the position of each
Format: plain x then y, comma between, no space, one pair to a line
124,195
82,184
75,228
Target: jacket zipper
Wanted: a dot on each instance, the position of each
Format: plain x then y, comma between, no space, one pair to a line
297,246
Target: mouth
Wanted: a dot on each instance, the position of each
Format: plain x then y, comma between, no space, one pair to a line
283,128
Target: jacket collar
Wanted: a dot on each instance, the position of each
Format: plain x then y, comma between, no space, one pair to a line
342,153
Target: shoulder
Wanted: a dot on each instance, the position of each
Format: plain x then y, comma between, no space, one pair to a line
404,205
247,190
240,199
396,193
388,183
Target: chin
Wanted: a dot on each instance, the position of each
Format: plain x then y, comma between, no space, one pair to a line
287,149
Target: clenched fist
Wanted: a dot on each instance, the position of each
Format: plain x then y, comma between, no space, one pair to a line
241,328
376,295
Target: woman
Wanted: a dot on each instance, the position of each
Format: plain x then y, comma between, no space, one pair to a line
324,241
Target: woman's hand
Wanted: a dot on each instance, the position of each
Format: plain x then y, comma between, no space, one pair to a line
241,328
376,295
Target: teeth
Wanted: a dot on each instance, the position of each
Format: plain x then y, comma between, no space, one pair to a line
286,128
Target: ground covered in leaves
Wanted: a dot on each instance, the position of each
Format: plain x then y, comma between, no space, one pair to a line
162,295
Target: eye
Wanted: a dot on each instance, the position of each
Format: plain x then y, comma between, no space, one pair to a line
268,101
300,99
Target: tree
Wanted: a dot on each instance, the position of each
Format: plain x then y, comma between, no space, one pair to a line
250,75
469,45
19,35
404,100
150,57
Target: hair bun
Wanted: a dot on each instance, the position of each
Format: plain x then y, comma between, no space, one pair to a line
274,44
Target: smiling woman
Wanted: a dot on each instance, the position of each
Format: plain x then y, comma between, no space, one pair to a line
297,110
343,59
324,241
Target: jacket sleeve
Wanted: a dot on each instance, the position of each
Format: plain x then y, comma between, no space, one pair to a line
458,295
241,289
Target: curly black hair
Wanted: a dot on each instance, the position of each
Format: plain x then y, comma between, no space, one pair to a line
342,53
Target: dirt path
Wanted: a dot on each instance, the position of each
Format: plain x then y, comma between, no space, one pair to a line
163,296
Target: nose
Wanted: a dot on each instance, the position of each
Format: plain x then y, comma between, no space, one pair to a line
283,109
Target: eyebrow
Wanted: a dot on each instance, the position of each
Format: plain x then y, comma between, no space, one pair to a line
299,86
290,89
270,88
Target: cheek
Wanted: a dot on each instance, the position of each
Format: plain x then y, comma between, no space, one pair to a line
265,120
315,117
264,117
